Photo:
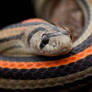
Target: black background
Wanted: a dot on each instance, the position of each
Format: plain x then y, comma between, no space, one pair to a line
12,11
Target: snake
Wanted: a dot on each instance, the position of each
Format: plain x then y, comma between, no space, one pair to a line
37,54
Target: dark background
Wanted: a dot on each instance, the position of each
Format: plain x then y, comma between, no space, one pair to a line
12,11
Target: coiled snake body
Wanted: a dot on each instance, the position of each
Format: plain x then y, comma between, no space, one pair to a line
23,71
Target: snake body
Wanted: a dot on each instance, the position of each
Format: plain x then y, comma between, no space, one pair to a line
30,72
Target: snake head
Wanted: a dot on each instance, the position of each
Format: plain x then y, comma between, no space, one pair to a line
52,41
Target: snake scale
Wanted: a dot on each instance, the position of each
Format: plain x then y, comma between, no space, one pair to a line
30,72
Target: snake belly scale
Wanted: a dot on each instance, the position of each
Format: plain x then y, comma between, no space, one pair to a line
22,72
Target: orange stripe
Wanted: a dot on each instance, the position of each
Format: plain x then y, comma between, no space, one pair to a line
33,20
46,64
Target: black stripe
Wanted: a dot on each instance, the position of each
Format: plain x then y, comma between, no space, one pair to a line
10,48
12,38
31,34
55,34
32,23
56,28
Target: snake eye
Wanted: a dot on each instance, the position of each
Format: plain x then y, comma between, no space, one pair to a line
45,40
